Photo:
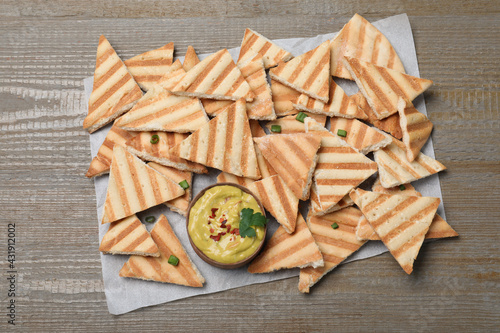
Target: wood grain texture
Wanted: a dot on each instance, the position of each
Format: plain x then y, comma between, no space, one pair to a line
47,49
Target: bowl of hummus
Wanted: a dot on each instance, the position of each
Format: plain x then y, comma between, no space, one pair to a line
226,225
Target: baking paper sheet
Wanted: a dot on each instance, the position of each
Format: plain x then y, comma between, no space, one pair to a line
124,294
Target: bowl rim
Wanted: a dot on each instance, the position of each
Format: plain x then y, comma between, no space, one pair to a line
200,253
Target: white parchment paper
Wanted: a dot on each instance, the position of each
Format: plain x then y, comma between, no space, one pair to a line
124,294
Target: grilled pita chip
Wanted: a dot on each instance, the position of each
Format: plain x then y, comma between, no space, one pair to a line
283,98
416,128
286,250
224,143
114,91
159,110
216,77
389,124
158,269
317,210
335,244
142,146
171,79
133,187
149,67
225,177
360,39
361,137
128,236
394,169
266,170
278,199
290,124
339,105
191,59
253,42
340,168
382,87
293,157
256,129
179,205
101,163
400,221
308,73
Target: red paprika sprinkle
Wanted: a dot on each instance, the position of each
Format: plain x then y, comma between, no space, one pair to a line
215,238
211,230
222,233
228,226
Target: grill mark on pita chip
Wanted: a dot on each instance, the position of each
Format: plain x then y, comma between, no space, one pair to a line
283,98
253,42
361,137
225,177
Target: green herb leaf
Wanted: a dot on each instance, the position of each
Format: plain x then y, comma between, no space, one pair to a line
276,128
184,184
301,116
249,219
150,219
342,133
335,225
155,139
173,260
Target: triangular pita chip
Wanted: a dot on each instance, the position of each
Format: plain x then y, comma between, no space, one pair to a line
128,236
158,269
224,143
317,209
335,244
159,110
147,68
170,80
360,39
288,125
416,128
286,250
394,169
191,59
142,146
293,157
225,177
283,98
339,105
215,77
278,199
133,187
256,129
253,42
382,87
400,221
101,163
114,91
308,73
361,137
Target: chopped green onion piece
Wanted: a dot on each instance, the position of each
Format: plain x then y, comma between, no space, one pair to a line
150,219
184,184
402,187
155,139
335,225
301,116
173,260
342,133
276,128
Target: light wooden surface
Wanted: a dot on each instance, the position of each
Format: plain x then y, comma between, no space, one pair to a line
47,48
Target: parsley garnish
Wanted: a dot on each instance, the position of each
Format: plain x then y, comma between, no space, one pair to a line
249,219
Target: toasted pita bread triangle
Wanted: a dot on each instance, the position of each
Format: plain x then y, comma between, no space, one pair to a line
286,250
266,170
159,110
360,39
278,199
171,79
335,244
148,67
293,157
340,168
133,187
215,77
158,269
253,42
339,104
308,73
317,209
288,124
389,124
141,146
128,236
400,221
382,87
224,143
101,163
179,205
361,137
225,177
394,169
256,129
416,128
191,59
283,98
114,91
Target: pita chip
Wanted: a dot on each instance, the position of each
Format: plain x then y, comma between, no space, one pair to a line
114,91
286,250
190,59
288,125
308,73
400,221
158,269
256,129
253,42
283,98
225,177
416,128
128,236
317,209
133,187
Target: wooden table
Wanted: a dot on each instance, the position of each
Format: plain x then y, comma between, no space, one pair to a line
47,48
